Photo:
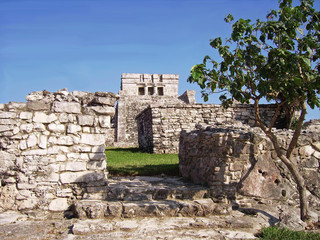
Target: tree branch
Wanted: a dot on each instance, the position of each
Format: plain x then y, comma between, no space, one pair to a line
297,132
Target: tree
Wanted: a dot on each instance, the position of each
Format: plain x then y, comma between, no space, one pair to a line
277,60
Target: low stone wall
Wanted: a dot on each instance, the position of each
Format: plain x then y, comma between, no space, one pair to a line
243,162
160,125
52,149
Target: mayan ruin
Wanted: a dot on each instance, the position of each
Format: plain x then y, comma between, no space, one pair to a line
52,152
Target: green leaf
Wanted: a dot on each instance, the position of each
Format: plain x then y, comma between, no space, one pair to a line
216,43
228,18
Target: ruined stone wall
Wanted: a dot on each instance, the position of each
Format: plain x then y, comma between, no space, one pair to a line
128,108
168,120
242,162
52,149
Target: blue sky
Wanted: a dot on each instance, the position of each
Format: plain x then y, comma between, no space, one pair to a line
86,44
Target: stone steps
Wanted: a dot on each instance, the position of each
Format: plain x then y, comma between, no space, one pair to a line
129,197
95,209
153,188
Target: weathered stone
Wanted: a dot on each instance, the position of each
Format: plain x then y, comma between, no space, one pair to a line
91,226
67,107
97,156
77,177
56,127
27,128
59,205
5,128
76,166
26,115
37,105
92,139
86,120
8,114
43,141
65,140
104,121
7,161
92,165
73,128
10,217
32,140
40,117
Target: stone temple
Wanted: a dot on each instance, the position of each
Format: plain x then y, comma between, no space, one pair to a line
52,150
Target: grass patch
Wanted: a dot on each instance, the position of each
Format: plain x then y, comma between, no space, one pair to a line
133,162
277,233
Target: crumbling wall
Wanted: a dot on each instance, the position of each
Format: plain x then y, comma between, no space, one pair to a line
242,162
168,120
52,149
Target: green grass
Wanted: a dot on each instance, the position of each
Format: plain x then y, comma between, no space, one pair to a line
133,162
277,233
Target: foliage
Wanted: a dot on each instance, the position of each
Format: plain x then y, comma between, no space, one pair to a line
276,233
277,60
131,161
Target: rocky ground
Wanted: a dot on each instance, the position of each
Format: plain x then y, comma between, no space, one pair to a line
151,208
237,225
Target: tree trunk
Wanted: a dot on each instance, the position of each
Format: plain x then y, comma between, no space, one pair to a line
285,158
301,186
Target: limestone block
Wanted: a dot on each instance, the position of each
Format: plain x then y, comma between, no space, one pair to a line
32,140
82,149
52,140
306,150
92,139
27,204
94,165
40,117
8,115
5,128
72,128
23,145
316,154
26,128
58,149
65,140
60,128
7,121
59,205
61,158
34,152
76,140
43,141
86,130
67,107
38,105
52,117
22,186
7,161
99,149
39,127
97,156
76,166
103,110
105,121
77,177
86,120
2,106
86,227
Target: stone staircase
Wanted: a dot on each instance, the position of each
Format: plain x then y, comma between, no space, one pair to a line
130,197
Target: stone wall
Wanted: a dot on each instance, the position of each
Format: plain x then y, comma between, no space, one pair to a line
242,162
168,120
52,149
128,108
